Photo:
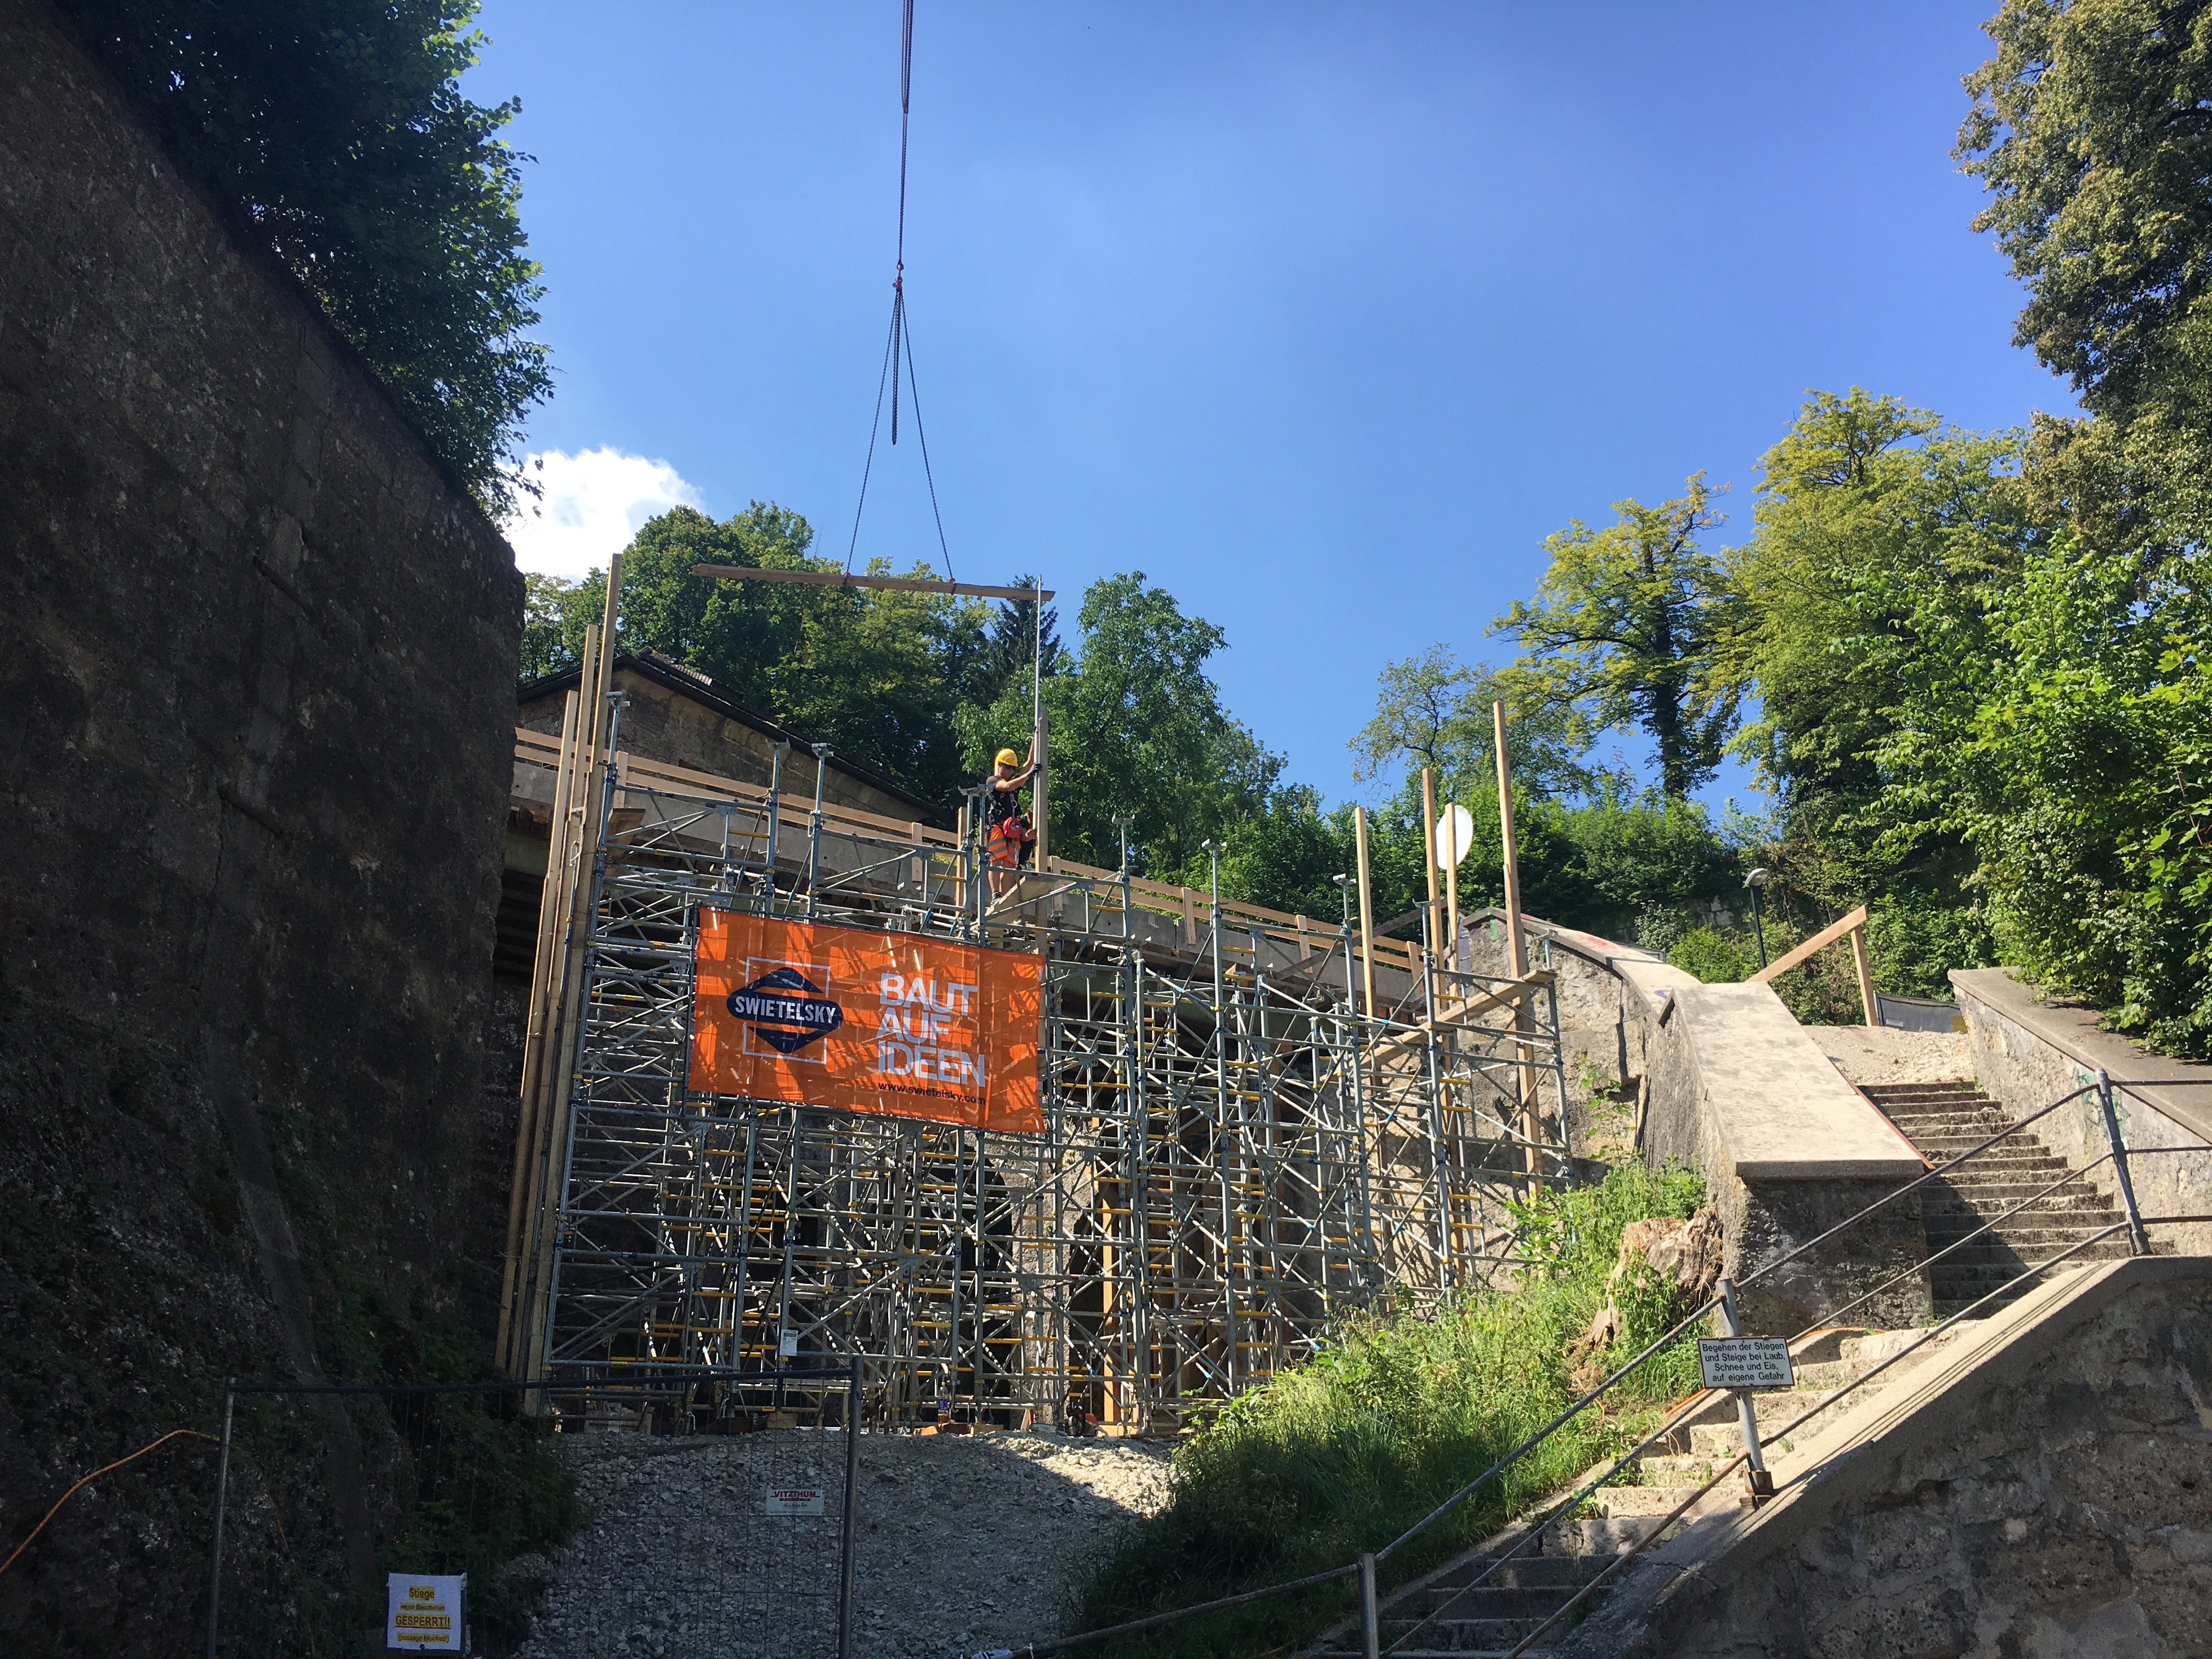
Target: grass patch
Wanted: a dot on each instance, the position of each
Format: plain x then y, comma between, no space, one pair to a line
1341,1455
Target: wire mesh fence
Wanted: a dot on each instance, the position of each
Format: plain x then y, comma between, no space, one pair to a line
335,1504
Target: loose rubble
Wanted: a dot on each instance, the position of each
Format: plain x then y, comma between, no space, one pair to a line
1882,1055
961,1542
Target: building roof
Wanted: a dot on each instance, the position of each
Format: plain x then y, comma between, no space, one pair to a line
688,683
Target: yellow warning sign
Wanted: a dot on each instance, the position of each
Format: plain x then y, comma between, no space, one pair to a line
424,1613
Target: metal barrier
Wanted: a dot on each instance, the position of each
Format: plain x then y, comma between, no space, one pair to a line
2133,1227
320,1485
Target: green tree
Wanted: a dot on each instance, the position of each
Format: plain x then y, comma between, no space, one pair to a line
2065,733
1012,650
874,673
1137,727
334,135
2092,129
1624,631
1862,503
1434,710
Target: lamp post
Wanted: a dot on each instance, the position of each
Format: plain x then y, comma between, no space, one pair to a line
1757,880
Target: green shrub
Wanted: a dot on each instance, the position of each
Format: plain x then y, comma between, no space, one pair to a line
1714,959
1316,1465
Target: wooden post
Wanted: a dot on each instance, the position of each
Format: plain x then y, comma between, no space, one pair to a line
1189,918
1366,913
1868,1004
1433,932
550,893
1306,944
538,1106
560,1060
1516,948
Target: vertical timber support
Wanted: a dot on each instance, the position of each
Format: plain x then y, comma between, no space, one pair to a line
1516,948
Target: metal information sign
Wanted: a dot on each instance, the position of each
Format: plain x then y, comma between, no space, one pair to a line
424,1613
794,1500
1746,1362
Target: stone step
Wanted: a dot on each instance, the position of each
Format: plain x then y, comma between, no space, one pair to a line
1980,1125
1997,1197
1490,1600
1585,1536
1971,1280
1676,1468
1466,1635
2008,1244
1620,1503
1969,1183
1893,1090
1526,1571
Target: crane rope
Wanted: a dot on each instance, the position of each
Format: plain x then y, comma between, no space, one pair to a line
901,342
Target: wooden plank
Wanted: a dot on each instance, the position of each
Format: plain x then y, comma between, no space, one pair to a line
1366,913
745,573
1821,940
731,788
1864,968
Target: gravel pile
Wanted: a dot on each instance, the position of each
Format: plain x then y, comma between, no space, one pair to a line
1883,1054
962,1543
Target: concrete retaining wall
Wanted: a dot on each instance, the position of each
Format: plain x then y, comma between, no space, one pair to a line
1739,1090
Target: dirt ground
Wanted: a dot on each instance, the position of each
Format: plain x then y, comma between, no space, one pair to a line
962,1543
1879,1055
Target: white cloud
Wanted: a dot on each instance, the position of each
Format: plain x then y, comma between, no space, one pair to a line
594,503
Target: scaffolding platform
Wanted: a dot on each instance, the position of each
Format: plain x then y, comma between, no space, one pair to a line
1237,1155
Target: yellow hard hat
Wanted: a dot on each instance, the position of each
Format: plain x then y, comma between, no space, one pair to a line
1008,757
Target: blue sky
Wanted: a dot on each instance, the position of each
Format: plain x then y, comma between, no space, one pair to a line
1323,316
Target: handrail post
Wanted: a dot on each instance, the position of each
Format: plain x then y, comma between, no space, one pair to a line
215,1542
851,1497
2138,1240
1762,1482
1371,1626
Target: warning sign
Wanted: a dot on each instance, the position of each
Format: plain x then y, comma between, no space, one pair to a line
1746,1362
423,1613
888,1023
794,1500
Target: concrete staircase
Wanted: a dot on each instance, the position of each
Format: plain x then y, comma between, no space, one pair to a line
1485,1620
1943,1120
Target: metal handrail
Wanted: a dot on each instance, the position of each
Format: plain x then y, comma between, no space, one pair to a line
2133,1224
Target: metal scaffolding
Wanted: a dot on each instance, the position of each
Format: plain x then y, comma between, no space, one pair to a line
1236,1152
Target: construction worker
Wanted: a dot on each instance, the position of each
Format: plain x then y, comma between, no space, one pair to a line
1007,831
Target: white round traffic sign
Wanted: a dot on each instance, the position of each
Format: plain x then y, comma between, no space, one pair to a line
1455,825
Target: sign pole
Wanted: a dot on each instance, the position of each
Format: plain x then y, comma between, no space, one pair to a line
1762,1480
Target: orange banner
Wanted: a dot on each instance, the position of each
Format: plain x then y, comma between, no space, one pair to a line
889,1023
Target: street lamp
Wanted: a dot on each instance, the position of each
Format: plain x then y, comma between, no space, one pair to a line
1757,880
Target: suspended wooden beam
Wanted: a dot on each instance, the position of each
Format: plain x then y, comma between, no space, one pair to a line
745,573
1854,925
1820,941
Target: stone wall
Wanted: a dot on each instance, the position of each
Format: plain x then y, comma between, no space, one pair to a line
2055,1502
2029,1054
255,763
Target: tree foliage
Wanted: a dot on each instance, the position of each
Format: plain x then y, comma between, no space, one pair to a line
1862,502
334,135
1434,711
877,674
2092,129
1137,728
1624,628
